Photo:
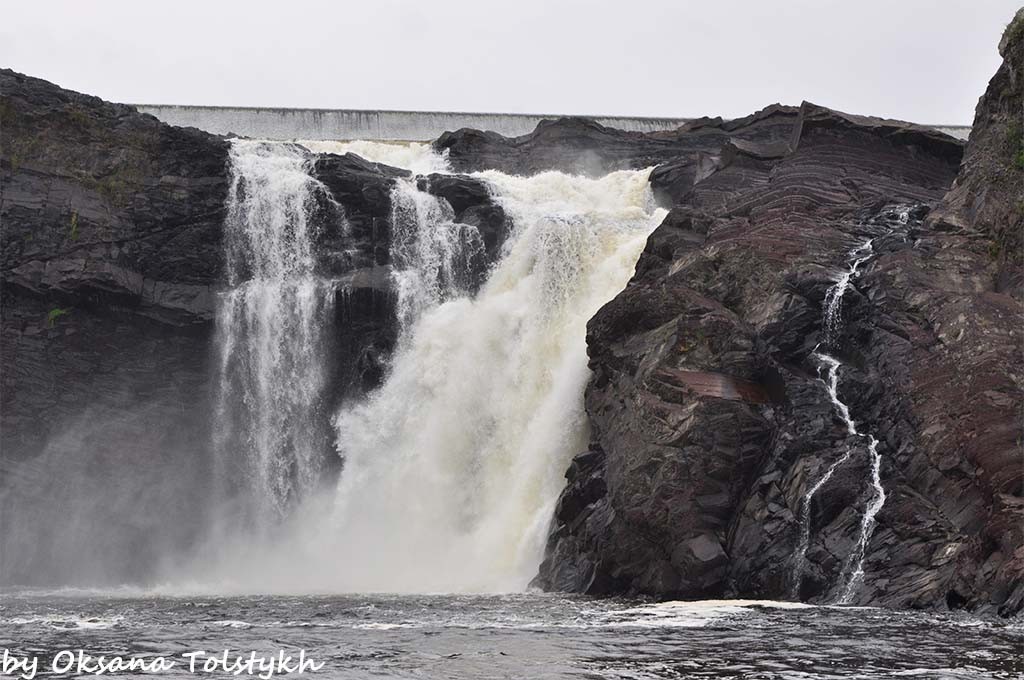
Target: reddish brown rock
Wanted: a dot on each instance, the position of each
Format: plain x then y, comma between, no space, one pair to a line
730,288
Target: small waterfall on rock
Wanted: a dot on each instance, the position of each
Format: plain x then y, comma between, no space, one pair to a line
452,468
271,324
800,558
853,569
832,320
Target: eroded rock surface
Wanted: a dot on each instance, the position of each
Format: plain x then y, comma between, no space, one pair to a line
580,145
709,418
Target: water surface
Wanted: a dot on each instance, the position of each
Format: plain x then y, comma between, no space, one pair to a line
521,636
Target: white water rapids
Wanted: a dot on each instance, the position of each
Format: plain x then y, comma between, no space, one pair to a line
452,467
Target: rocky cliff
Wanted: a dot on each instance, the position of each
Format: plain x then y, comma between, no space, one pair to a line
710,420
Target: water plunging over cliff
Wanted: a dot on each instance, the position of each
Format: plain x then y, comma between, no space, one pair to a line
452,468
433,256
271,323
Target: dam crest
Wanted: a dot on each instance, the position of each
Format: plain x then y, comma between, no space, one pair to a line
374,125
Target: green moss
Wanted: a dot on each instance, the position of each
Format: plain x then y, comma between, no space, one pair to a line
79,117
56,313
995,249
116,188
73,234
113,188
1015,145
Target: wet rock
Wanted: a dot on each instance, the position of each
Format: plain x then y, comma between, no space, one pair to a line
583,146
711,419
473,204
930,350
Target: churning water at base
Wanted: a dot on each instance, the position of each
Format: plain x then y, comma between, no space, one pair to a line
540,637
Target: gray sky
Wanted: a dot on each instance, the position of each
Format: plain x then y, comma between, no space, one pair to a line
926,61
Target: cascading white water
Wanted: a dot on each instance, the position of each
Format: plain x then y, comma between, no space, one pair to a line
832,321
432,255
800,557
271,322
853,569
416,157
452,469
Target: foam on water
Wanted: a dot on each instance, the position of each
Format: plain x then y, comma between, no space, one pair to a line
532,635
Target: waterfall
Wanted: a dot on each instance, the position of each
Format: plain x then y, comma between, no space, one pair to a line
271,323
853,569
432,256
452,468
832,320
800,557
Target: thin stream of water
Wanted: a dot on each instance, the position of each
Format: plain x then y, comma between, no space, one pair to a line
853,569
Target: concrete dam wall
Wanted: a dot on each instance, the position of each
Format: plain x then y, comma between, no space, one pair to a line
345,124
411,126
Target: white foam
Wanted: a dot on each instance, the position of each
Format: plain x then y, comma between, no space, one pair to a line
416,157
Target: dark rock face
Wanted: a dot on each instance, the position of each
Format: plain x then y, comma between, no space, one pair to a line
580,145
988,195
110,254
947,314
111,232
100,202
709,420
472,203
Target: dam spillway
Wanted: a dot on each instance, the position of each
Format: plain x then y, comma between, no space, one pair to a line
373,125
348,124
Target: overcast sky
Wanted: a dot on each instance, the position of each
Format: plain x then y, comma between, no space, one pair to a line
925,61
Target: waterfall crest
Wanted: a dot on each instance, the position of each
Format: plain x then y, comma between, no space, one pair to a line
417,157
